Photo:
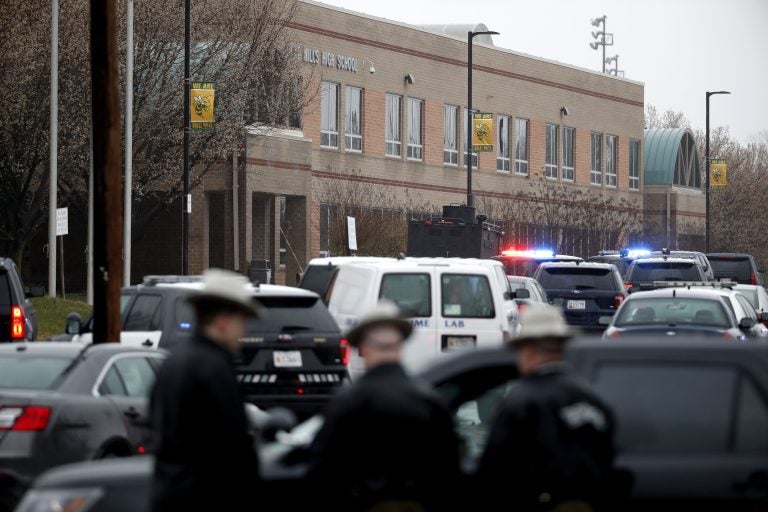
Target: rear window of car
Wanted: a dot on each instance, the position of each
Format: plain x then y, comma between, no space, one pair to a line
317,278
31,372
739,269
577,278
5,289
466,296
665,271
673,310
411,293
292,315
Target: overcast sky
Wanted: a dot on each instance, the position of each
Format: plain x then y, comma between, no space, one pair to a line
678,48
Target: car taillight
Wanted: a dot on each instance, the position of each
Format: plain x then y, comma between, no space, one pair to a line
344,352
24,419
752,278
617,300
18,330
628,286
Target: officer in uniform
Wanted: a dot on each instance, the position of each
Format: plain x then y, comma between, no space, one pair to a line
387,442
550,447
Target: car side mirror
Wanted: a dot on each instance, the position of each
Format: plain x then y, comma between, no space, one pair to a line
74,324
604,320
280,420
747,323
522,293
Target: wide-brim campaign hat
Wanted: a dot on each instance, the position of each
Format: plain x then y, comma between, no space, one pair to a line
228,288
384,314
542,322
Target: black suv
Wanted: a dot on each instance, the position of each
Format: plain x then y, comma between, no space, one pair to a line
294,357
740,268
585,291
18,320
644,272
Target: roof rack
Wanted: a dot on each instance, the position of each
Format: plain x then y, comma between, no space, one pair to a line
170,279
698,284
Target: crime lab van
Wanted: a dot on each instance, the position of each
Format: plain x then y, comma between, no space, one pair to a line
452,303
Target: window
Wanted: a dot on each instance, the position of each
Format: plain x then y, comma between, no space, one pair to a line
611,155
137,375
414,129
568,139
634,165
467,131
20,370
325,223
577,278
329,115
411,293
521,146
550,167
282,231
353,129
671,408
112,384
393,139
145,314
596,169
502,143
289,314
450,135
466,296
673,310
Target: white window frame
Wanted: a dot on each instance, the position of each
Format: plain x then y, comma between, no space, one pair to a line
611,161
329,131
467,128
393,135
596,161
451,150
521,164
351,138
569,138
551,170
415,150
502,150
634,164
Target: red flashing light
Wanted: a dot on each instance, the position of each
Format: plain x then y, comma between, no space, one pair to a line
617,300
300,391
28,419
18,329
141,450
345,352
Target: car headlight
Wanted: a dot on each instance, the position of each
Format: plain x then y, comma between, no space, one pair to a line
59,500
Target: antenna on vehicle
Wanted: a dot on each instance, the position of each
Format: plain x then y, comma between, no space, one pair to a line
401,256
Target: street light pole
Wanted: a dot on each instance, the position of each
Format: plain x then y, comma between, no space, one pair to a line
53,182
707,236
127,206
186,202
470,36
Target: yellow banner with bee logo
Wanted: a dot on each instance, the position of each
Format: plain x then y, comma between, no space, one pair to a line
201,97
482,131
718,173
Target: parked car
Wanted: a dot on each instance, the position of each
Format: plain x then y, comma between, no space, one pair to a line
622,259
295,357
585,291
525,262
527,291
691,419
685,311
706,266
453,303
644,272
757,297
18,320
738,267
63,402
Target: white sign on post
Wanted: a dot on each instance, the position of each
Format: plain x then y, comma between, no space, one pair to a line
62,221
351,234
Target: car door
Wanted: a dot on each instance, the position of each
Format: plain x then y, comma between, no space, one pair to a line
143,323
127,382
692,432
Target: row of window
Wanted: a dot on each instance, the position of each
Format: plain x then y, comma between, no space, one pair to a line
600,173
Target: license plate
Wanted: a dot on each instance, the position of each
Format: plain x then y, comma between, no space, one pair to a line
287,359
452,342
576,304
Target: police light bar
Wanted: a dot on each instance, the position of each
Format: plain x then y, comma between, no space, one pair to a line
634,254
689,284
535,254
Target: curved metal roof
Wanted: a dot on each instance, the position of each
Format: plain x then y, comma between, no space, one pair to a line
670,158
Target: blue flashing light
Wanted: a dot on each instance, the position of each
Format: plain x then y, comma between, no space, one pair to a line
185,325
637,253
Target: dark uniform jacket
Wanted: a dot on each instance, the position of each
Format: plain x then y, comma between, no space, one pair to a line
206,459
551,442
386,438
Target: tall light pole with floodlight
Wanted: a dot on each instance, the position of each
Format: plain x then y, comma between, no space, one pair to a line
707,235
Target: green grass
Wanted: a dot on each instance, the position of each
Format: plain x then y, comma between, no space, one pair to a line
52,313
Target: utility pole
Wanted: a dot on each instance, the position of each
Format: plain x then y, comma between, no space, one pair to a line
187,204
53,180
707,235
128,142
107,185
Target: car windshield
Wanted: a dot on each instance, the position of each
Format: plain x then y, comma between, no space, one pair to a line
738,269
665,271
24,371
673,311
577,278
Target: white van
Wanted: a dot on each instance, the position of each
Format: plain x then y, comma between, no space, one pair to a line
453,303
